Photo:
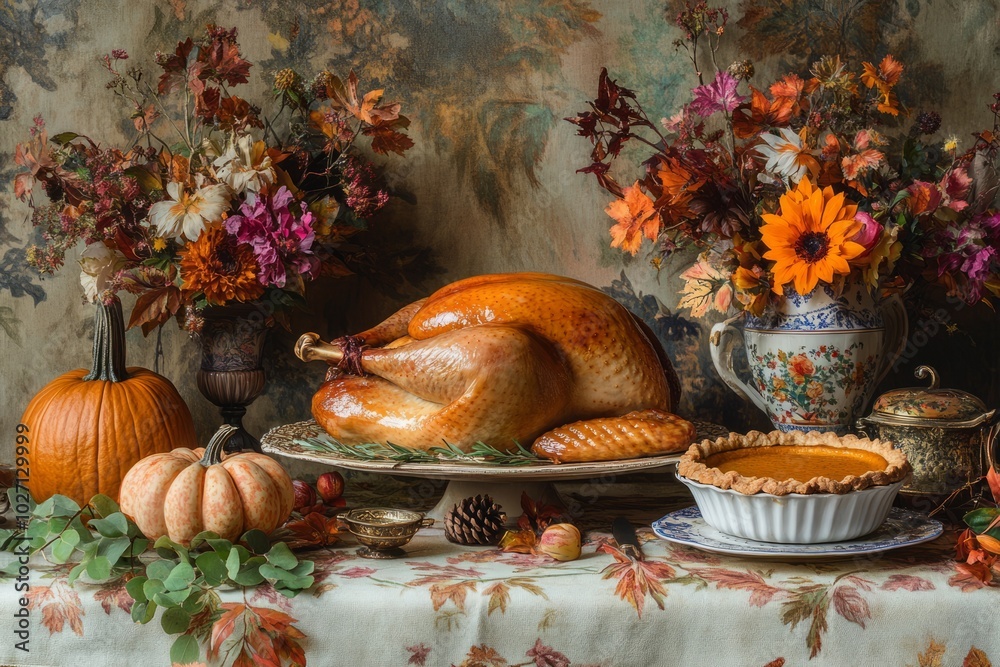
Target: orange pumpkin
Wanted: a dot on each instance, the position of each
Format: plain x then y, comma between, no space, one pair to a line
183,492
86,429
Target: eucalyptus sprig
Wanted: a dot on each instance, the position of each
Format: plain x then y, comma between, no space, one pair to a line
480,452
182,581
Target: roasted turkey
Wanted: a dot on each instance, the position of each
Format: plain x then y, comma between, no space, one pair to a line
495,358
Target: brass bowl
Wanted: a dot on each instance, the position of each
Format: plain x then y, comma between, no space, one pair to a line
382,530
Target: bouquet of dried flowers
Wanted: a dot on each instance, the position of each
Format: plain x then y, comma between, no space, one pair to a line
211,202
799,183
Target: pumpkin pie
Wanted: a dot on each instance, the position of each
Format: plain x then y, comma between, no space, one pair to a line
779,463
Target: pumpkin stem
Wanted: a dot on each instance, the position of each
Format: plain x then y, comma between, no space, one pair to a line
213,452
109,343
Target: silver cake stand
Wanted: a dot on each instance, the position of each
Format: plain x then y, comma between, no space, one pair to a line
505,483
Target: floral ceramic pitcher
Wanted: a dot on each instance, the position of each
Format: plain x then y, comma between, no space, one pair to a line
815,361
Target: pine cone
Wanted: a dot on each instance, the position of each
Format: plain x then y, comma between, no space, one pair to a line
476,520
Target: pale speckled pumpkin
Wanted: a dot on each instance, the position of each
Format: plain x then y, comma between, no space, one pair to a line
88,428
184,492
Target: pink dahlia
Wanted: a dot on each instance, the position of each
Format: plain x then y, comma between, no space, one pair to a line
281,238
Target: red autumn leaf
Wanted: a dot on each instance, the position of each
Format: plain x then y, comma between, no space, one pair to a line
848,603
155,307
313,530
385,138
537,515
484,656
993,479
760,592
971,577
60,606
519,541
777,662
760,114
174,67
907,582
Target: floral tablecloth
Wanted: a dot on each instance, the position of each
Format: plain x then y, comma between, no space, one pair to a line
449,605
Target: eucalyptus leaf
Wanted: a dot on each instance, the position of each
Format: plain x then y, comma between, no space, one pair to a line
104,506
143,612
170,599
221,547
185,650
115,525
75,573
112,549
257,541
99,568
139,545
167,548
285,577
61,551
175,621
134,587
71,537
57,505
204,537
212,568
19,496
57,524
194,603
151,587
281,556
303,568
249,576
180,577
233,563
159,569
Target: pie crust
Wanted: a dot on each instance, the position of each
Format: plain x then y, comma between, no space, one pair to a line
696,464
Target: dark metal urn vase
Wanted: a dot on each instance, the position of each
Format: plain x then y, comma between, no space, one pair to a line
231,375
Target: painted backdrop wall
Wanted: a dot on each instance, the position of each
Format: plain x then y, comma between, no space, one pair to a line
491,184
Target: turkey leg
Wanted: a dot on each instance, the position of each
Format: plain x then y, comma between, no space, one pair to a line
491,383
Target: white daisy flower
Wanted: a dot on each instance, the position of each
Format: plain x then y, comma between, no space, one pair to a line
245,166
184,215
786,156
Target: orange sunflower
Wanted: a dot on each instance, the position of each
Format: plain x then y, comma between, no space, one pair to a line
220,267
808,240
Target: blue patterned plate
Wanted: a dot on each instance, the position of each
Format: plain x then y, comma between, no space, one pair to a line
902,529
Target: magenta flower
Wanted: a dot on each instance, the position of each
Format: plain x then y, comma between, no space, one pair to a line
281,240
956,185
720,95
870,232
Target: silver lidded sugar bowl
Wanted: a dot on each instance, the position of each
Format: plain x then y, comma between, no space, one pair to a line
945,433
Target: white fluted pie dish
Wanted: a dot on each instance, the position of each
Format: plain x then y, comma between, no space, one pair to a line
794,518
794,488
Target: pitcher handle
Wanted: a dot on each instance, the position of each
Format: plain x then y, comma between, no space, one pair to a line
722,342
897,330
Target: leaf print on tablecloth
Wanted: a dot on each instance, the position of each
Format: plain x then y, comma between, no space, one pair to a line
906,582
441,593
114,595
848,603
248,636
976,658
546,656
932,655
637,578
808,602
418,654
760,591
499,597
60,605
483,656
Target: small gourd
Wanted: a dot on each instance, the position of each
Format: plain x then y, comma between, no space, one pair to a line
184,492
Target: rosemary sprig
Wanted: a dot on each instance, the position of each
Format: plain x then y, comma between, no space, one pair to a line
480,452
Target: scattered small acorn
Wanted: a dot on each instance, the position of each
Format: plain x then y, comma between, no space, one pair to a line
305,496
330,486
560,541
